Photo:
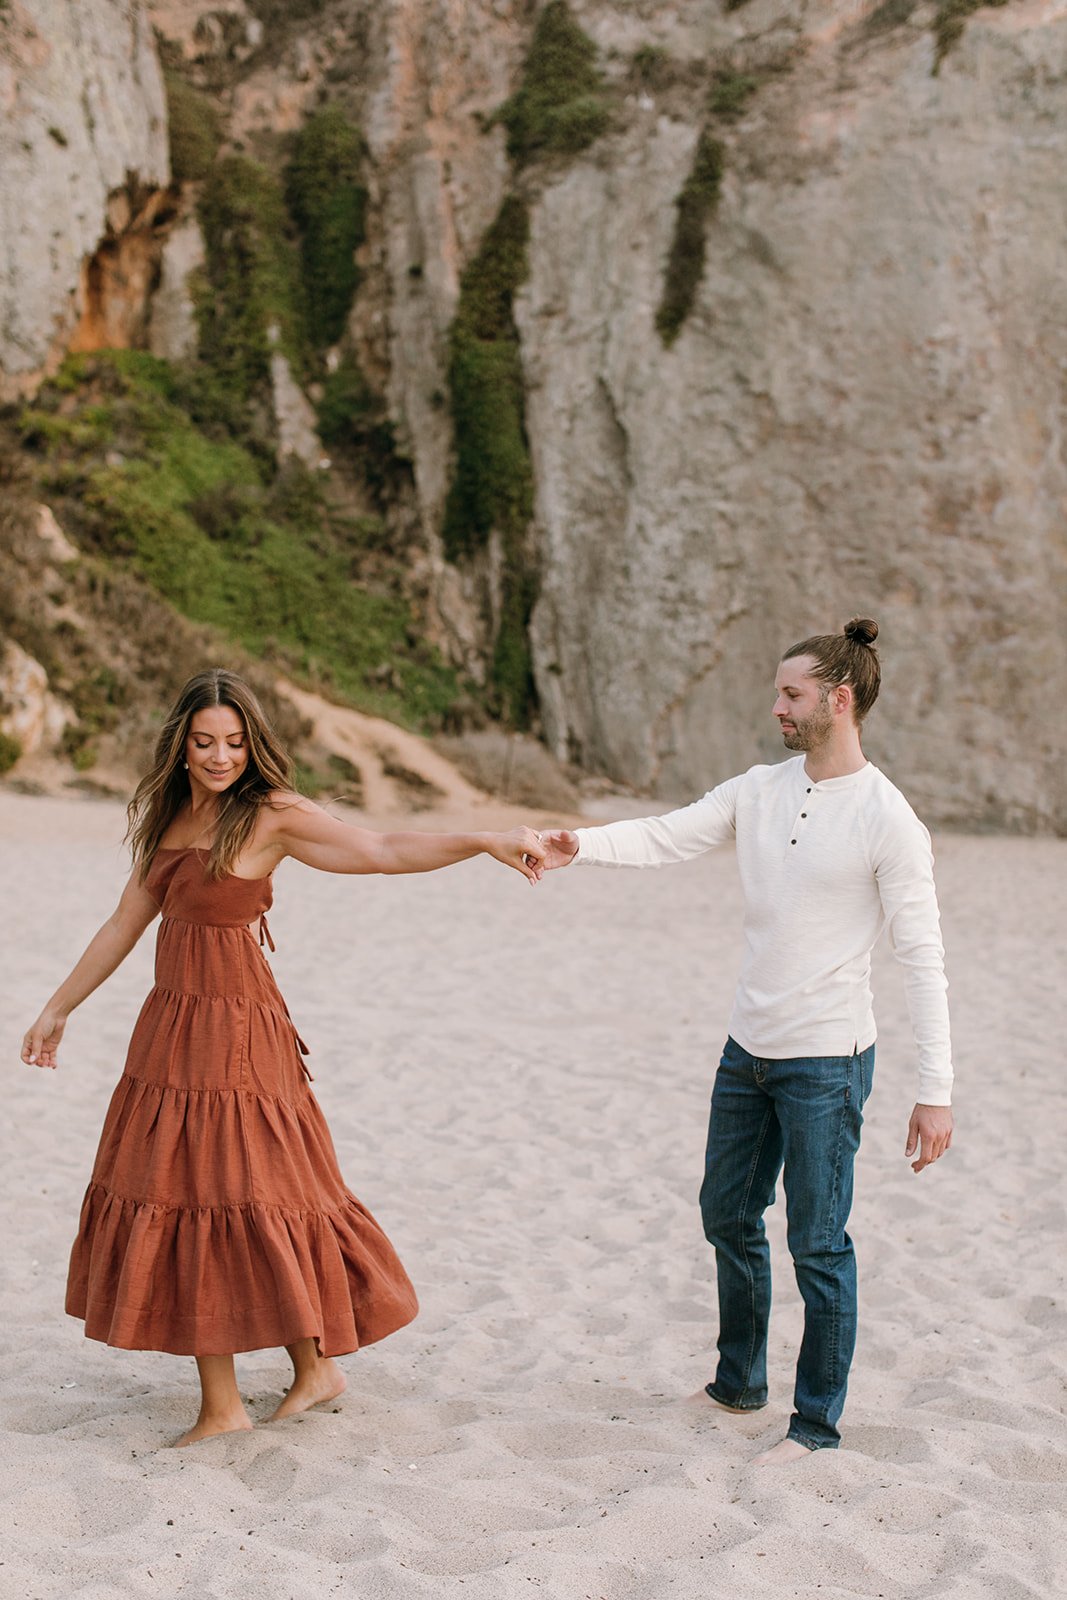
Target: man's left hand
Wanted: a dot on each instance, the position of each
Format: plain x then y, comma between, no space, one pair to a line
929,1132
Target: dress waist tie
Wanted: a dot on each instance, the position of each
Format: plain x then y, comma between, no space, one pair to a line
265,939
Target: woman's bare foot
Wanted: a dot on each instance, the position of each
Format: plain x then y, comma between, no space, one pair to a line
312,1386
780,1454
221,1410
207,1426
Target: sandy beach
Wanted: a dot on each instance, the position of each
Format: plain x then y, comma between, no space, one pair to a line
517,1081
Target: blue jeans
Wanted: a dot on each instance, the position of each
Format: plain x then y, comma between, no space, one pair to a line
802,1118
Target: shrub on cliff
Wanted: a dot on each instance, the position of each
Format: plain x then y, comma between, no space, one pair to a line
327,203
10,751
195,133
559,107
949,22
492,484
263,558
730,93
276,13
353,420
685,264
250,294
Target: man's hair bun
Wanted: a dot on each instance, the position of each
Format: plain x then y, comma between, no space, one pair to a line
836,660
861,630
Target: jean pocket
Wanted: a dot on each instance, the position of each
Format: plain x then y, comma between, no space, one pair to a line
866,1072
860,1077
732,1054
833,1072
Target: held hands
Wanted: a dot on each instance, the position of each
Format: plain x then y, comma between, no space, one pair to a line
560,846
521,848
42,1041
929,1132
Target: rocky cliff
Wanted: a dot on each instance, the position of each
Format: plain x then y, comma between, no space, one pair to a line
865,411
83,156
788,322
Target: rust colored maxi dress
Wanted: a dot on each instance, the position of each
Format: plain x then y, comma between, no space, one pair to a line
217,1219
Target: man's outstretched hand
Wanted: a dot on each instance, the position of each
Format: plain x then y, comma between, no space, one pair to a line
560,847
929,1132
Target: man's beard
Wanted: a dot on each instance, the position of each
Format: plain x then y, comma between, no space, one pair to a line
813,731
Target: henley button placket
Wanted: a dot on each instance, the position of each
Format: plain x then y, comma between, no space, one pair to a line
803,815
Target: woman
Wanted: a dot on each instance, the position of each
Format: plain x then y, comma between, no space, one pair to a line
217,1220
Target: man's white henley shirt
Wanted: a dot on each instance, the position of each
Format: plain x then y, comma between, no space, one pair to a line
824,868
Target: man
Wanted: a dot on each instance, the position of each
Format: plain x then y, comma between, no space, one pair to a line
830,853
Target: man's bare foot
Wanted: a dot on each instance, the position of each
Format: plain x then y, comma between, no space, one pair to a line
324,1382
206,1427
780,1454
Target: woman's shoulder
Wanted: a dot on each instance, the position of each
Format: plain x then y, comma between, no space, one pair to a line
282,810
285,800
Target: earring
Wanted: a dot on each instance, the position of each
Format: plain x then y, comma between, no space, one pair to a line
185,764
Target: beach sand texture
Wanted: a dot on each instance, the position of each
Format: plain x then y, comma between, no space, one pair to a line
517,1082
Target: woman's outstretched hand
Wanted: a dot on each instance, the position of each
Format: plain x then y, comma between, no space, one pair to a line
560,846
521,849
42,1041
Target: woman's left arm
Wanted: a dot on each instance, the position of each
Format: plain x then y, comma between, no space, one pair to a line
303,830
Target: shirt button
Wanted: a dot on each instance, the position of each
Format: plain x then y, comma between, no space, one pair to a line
803,813
792,841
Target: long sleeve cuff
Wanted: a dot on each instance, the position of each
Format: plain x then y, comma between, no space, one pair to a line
935,1086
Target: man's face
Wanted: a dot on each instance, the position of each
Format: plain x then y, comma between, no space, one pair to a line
802,706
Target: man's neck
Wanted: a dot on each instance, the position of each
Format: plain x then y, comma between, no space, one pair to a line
835,759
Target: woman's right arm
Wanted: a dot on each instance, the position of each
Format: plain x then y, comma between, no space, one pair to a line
107,949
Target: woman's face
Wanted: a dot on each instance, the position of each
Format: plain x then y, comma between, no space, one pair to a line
216,748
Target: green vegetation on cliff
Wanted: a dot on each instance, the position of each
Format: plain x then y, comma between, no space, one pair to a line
949,23
262,557
560,106
195,132
492,486
327,203
277,13
730,93
113,649
280,258
353,422
281,274
685,264
10,748
251,296
888,15
651,67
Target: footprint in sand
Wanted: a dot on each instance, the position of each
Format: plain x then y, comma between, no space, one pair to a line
887,1444
1048,1315
1030,1464
271,1474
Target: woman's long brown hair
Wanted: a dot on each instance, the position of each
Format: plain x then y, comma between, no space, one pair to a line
164,789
